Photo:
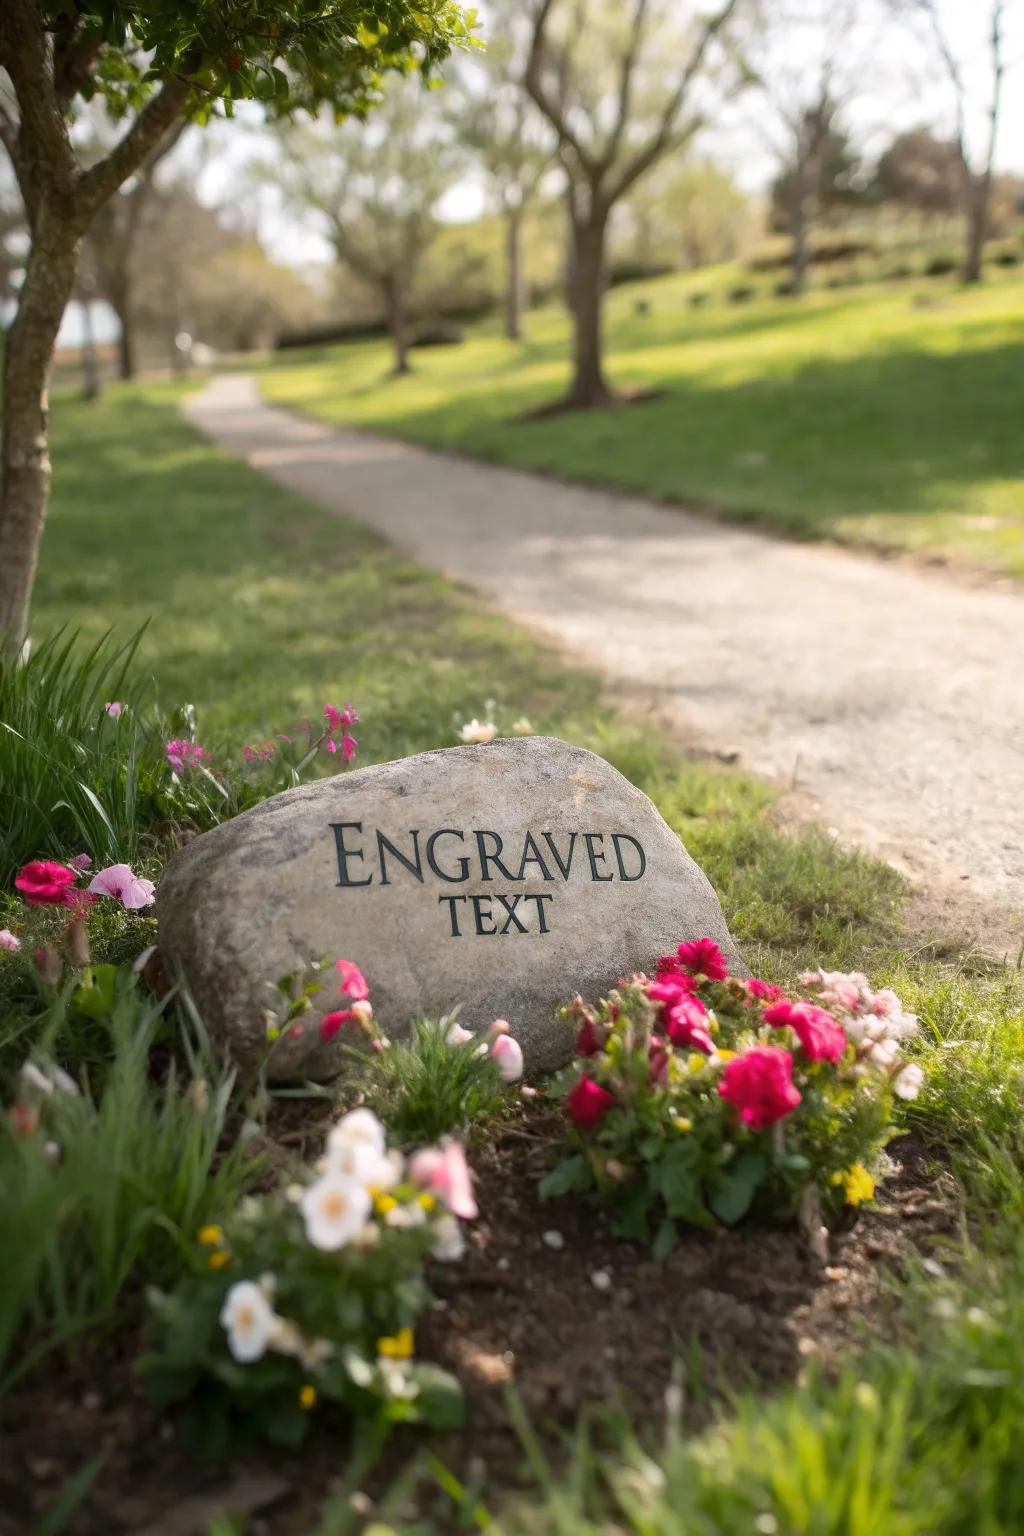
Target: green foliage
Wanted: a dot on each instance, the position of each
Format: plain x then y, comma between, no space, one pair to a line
106,1192
424,1088
661,1131
283,56
323,1316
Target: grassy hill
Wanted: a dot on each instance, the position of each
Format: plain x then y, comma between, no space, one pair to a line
886,414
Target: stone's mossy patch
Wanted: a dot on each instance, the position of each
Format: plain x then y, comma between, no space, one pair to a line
503,878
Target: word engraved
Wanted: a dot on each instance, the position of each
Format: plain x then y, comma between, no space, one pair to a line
456,857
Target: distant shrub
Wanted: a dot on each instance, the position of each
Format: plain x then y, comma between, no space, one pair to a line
699,299
1009,257
824,249
441,333
899,273
741,293
786,289
941,265
642,307
626,271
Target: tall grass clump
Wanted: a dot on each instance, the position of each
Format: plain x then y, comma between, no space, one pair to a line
105,1181
68,768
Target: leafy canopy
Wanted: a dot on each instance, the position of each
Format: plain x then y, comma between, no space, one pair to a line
287,56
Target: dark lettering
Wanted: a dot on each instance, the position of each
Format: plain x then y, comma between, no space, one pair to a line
451,900
540,900
463,862
532,858
510,903
479,914
625,837
344,854
413,868
563,867
491,858
590,838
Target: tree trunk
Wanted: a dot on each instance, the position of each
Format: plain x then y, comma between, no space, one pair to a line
977,227
589,387
127,354
397,327
800,266
513,274
91,384
28,353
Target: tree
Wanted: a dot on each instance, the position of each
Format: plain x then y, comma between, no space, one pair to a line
920,171
375,188
153,65
823,172
977,164
691,216
110,244
500,125
622,86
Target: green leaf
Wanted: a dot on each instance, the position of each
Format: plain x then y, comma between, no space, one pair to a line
666,1239
571,1174
732,1189
94,995
439,1401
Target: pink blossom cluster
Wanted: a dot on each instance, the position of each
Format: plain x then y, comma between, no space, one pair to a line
185,754
45,883
338,735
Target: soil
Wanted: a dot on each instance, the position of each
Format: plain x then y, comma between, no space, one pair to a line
545,1301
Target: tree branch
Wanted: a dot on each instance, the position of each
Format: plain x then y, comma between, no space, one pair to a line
43,156
157,116
629,58
553,110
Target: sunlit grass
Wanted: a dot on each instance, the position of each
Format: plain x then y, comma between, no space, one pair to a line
884,414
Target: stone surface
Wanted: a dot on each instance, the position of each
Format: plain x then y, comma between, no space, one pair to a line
503,878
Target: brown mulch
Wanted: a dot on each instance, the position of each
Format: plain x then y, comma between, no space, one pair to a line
545,1301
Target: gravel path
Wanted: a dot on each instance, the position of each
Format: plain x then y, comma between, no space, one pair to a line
885,700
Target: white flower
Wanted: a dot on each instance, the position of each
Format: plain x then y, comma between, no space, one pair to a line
334,1209
249,1320
53,1078
456,1035
402,1217
478,731
907,1083
449,1243
522,727
883,1053
360,1126
507,1055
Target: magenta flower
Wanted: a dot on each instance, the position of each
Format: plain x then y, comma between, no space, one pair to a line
44,883
353,982
120,882
80,861
113,709
259,754
9,941
185,754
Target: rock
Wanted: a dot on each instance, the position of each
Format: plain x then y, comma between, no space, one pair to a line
503,878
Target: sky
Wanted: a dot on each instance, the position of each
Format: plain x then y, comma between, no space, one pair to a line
895,82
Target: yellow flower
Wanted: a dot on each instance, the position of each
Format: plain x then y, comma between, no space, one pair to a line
682,1124
211,1236
219,1259
427,1201
307,1397
398,1347
727,1055
384,1203
859,1184
837,1179
696,1061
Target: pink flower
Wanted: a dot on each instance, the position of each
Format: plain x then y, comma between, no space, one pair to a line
113,709
340,719
353,982
348,747
760,1084
259,754
587,1103
764,991
499,1027
332,1022
684,1016
44,883
821,1038
80,861
8,941
120,882
703,957
185,754
508,1056
588,1041
657,1056
444,1171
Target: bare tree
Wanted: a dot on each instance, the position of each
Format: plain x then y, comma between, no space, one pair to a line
623,86
375,188
110,246
498,122
976,167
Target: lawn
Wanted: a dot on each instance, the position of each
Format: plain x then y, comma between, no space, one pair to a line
262,607
885,415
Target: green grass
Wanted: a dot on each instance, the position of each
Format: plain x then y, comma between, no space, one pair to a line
885,414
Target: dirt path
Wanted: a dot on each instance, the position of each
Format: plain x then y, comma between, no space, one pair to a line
887,701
